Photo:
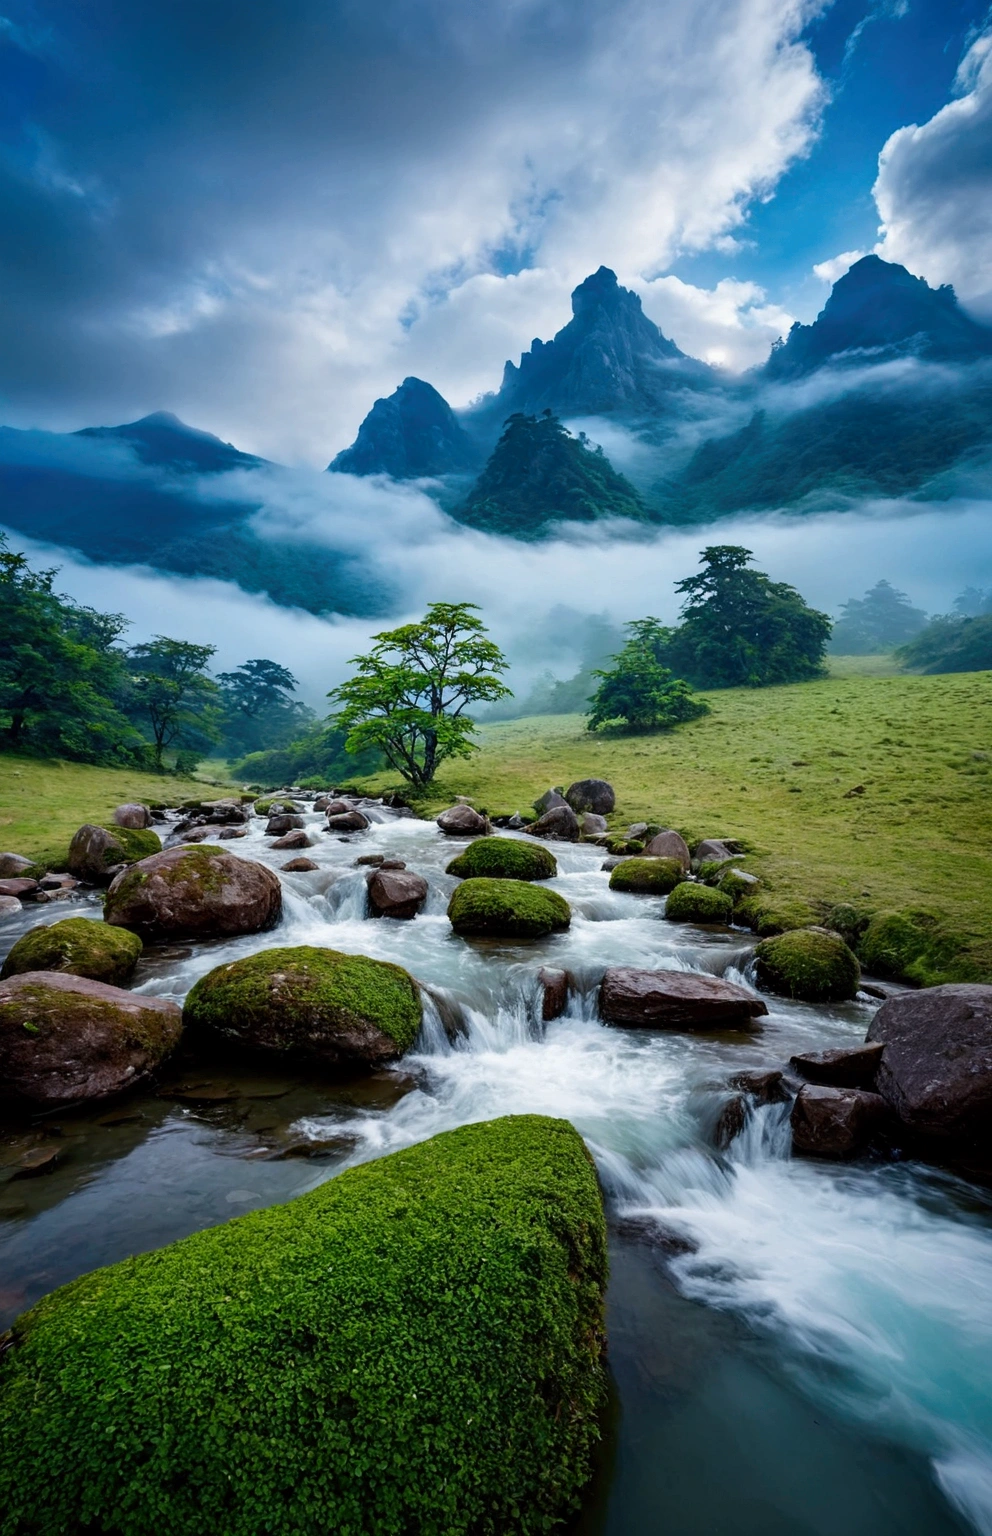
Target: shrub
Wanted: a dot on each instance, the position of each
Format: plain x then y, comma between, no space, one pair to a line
416,1345
79,947
816,967
507,909
504,858
690,903
654,877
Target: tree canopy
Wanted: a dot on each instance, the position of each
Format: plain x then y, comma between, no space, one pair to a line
410,693
258,710
877,622
950,644
640,692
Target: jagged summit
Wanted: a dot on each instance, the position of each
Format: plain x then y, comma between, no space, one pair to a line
879,310
412,433
163,439
609,357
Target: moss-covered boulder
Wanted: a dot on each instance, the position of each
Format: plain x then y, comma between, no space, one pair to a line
767,915
504,858
690,903
738,884
415,1346
511,909
79,947
908,946
67,1040
276,806
809,964
194,893
649,876
309,1004
96,852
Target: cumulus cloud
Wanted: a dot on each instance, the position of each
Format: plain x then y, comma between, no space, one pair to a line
262,217
932,189
830,271
730,326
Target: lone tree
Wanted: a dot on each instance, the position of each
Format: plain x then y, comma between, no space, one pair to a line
640,691
174,695
877,622
410,693
259,710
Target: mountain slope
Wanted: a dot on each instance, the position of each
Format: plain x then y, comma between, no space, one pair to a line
412,433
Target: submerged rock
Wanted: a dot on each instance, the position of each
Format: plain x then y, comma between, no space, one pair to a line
936,1067
68,1040
297,839
675,1000
396,892
439,1308
96,853
853,1066
309,1004
194,893
463,821
560,824
298,866
555,986
504,858
78,946
507,909
591,795
809,964
835,1122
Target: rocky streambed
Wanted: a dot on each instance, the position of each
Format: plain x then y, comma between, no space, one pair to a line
796,1344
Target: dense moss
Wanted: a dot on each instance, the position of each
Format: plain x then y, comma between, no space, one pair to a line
652,877
815,966
504,858
624,845
767,915
303,1000
274,807
507,909
737,885
849,920
135,843
909,946
79,947
691,903
415,1346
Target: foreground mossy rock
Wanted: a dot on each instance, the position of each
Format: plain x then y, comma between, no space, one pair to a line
96,853
67,1040
415,1346
690,903
78,947
809,964
650,876
512,909
504,858
194,893
310,1004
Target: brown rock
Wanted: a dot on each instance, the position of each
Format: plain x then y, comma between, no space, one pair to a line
133,815
835,1122
194,893
374,859
592,825
334,807
226,810
712,851
67,1040
591,795
210,834
9,907
57,883
669,845
94,855
278,825
15,887
675,1000
12,865
846,1067
730,1121
298,866
396,892
348,821
463,821
555,987
936,1069
549,800
36,1161
296,839
560,824
392,864
762,1087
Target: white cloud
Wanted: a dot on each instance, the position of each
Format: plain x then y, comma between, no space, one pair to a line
932,189
830,271
731,326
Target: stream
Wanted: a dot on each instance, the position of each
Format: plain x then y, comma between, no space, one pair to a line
796,1347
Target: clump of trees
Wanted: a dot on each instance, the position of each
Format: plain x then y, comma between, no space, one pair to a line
640,693
876,623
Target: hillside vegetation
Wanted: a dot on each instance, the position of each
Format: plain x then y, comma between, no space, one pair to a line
869,789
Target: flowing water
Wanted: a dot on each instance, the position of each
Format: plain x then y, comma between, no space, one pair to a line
795,1347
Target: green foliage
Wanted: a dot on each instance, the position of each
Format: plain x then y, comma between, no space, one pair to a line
877,622
640,691
651,876
539,474
409,696
504,858
815,967
740,629
295,993
910,946
258,711
319,754
950,644
79,947
510,909
174,696
691,903
416,1345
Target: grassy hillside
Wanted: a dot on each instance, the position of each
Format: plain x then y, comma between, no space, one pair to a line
42,802
777,766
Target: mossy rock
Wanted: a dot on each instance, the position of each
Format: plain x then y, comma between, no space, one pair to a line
849,920
908,946
650,877
79,947
200,892
816,967
691,903
414,1346
137,842
311,1004
504,858
767,915
512,909
629,846
738,885
52,859
275,807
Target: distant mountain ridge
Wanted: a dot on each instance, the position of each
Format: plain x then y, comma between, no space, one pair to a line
412,434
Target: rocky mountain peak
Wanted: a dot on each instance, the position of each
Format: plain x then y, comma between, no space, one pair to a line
409,434
163,439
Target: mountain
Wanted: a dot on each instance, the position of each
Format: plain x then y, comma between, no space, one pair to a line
609,358
539,474
136,495
875,312
411,434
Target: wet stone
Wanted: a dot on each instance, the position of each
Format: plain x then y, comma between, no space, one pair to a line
841,1068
